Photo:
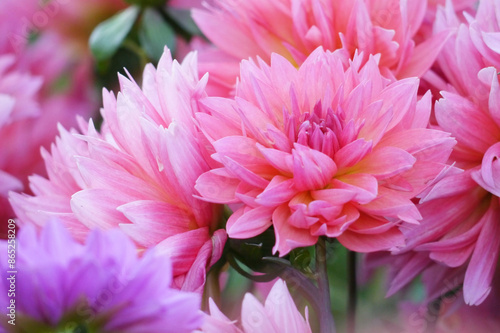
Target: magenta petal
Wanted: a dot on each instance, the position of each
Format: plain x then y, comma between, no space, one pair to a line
477,283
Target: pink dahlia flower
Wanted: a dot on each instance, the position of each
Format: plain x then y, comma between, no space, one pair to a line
138,174
279,314
460,227
332,148
100,286
294,28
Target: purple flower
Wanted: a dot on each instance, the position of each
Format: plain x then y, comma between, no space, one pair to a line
100,286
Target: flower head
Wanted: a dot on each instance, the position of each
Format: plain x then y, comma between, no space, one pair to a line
138,174
279,314
331,148
295,28
461,213
102,284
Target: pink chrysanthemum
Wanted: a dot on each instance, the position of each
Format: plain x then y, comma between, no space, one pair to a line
294,28
331,148
101,286
279,314
461,224
138,173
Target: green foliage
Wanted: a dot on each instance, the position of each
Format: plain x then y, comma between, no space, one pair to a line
155,33
182,18
146,3
109,35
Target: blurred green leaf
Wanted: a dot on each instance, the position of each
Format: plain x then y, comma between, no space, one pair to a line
182,18
155,33
301,259
146,3
109,35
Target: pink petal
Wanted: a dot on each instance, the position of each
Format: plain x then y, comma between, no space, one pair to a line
489,175
424,55
183,249
352,153
254,317
154,221
385,162
469,125
96,208
477,283
365,243
311,168
248,222
281,308
414,264
391,203
279,190
287,236
364,186
217,186
281,160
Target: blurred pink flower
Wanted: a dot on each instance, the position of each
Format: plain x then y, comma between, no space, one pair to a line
100,286
451,315
76,19
279,314
461,213
460,6
138,174
40,86
294,28
332,148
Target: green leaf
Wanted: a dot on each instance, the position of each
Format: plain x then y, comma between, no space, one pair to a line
155,33
109,35
183,18
147,3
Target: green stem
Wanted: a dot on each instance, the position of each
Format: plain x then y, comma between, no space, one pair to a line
132,46
326,322
352,286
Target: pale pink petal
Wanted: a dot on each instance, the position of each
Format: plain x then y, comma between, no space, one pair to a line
477,283
250,222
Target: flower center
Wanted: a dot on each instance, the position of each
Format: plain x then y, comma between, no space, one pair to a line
324,130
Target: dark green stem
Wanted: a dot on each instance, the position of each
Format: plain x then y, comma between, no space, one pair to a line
326,322
353,292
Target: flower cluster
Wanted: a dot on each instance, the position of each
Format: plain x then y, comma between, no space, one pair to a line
299,131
